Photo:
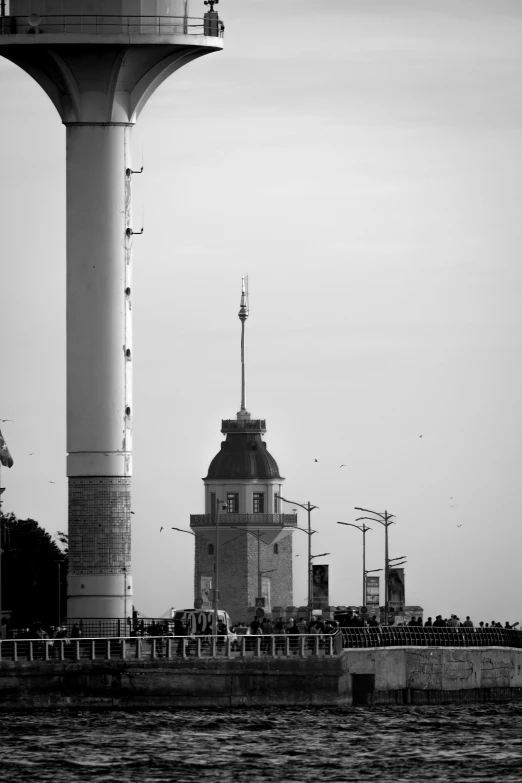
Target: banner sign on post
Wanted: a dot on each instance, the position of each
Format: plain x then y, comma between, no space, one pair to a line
372,591
396,592
320,586
206,591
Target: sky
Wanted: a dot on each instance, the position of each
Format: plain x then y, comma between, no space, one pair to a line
361,161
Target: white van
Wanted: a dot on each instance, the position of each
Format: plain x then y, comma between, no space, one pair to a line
200,622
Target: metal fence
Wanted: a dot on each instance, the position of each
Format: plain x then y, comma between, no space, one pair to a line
149,647
227,520
169,647
111,627
405,636
110,25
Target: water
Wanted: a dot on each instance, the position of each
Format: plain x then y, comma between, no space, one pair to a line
468,743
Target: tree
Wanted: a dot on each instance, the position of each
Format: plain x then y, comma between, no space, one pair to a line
34,574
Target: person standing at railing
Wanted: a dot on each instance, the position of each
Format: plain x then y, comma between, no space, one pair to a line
280,636
313,630
222,631
293,631
321,630
268,630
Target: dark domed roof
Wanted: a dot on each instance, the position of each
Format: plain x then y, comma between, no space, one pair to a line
243,456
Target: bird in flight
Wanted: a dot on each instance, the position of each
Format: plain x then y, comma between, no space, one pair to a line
420,436
4,420
31,454
161,529
315,460
459,525
133,512
52,482
342,466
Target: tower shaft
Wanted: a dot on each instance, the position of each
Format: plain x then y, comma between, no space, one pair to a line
99,368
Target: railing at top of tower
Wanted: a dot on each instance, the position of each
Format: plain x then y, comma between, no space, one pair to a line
97,24
254,520
247,425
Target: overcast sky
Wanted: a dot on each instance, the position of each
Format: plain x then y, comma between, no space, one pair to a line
361,161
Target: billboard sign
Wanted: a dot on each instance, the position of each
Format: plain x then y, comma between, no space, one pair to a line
396,592
265,593
206,591
320,596
372,591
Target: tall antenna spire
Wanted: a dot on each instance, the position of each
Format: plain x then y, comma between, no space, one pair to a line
243,315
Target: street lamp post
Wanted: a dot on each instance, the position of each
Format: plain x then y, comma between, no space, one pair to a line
308,508
364,529
384,519
59,592
216,569
1,550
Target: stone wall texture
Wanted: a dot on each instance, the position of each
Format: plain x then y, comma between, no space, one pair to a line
238,572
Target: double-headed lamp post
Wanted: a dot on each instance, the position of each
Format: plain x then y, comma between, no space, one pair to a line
384,519
308,508
364,529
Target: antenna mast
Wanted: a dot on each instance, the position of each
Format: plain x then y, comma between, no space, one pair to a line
243,315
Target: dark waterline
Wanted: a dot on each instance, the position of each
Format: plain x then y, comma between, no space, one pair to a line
444,743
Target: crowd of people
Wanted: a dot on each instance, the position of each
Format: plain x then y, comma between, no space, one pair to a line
352,619
264,626
455,622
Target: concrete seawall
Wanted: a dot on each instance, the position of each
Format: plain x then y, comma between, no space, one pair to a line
410,675
432,675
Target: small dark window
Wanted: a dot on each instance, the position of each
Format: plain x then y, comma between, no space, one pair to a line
276,505
211,549
259,503
212,503
233,502
276,549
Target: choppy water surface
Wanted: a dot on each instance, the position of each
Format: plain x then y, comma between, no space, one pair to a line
471,743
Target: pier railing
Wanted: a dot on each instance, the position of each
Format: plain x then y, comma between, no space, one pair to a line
411,636
101,24
169,648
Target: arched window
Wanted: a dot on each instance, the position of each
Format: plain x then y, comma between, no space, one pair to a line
276,549
211,549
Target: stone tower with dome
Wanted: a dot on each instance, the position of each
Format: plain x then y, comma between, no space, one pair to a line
243,541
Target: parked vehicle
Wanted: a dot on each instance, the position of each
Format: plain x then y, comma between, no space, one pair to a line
200,622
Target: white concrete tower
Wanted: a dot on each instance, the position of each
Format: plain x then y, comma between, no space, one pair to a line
243,531
99,61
